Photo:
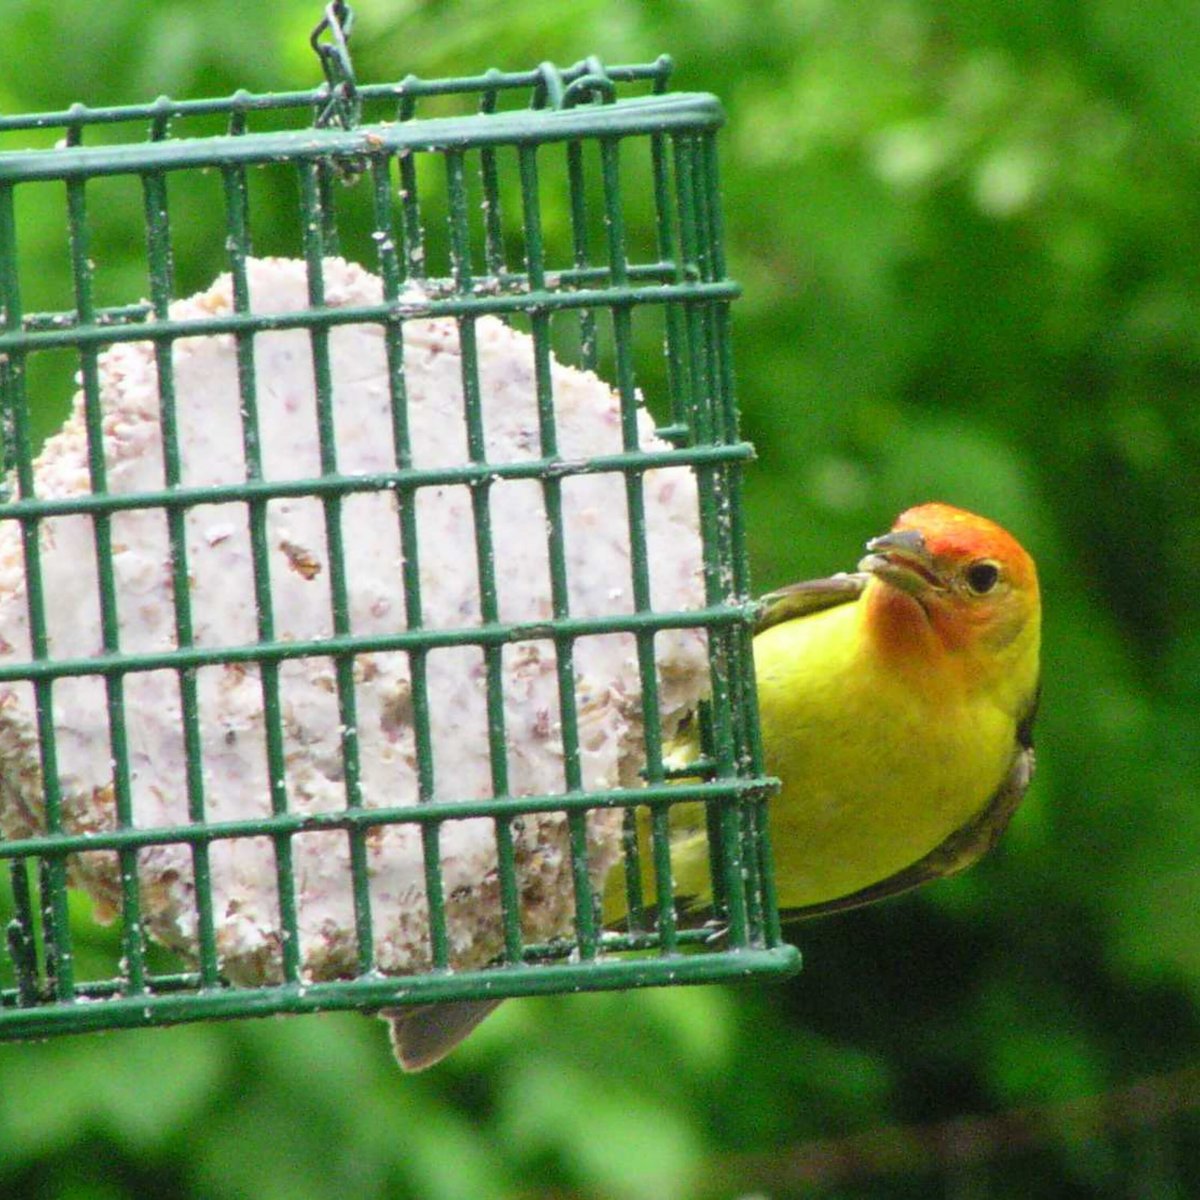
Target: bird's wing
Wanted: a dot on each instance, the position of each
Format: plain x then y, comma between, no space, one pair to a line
787,604
689,822
423,1034
810,596
962,848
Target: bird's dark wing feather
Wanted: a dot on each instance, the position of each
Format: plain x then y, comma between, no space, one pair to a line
813,595
962,848
423,1034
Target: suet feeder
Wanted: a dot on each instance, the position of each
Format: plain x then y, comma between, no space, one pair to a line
344,621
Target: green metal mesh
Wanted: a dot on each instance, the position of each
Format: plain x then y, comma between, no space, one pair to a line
449,182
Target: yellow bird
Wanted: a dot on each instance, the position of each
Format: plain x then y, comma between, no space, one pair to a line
896,707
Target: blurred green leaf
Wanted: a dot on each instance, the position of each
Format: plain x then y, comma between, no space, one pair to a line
141,1091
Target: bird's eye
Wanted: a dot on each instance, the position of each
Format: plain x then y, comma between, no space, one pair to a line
982,577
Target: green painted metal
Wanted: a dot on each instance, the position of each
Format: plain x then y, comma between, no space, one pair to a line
178,998
577,123
684,113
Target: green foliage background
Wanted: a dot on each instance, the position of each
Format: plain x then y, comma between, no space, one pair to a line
969,237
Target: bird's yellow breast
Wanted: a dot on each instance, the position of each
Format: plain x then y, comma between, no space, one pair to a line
880,762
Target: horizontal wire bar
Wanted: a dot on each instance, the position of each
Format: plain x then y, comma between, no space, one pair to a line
668,113
493,634
367,314
405,480
116,314
185,982
506,282
413,87
496,634
532,979
55,845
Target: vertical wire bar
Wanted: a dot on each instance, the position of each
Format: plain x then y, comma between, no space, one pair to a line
610,152
631,856
724,817
746,693
663,66
22,940
56,928
585,915
237,226
158,247
237,113
664,881
412,233
460,261
23,933
12,364
696,419
734,575
314,222
724,426
699,419
677,363
391,271
679,375
133,945
589,355
326,209
712,814
489,177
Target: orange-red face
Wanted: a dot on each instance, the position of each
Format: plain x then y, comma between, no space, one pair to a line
973,580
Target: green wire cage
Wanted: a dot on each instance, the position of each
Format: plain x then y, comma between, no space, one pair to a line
518,196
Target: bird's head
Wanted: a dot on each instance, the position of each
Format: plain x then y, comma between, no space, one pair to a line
969,582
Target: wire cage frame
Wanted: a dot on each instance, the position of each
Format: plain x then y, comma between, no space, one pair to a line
504,194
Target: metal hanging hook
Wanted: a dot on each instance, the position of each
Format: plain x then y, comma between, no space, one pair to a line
329,41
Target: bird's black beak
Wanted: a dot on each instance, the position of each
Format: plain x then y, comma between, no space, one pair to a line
902,559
